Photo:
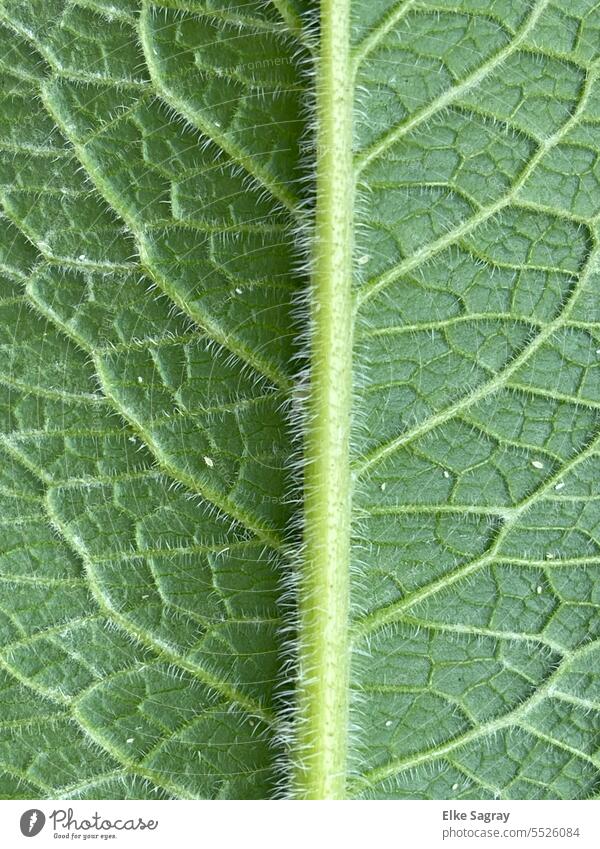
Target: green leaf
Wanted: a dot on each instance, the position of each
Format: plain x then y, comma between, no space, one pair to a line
192,189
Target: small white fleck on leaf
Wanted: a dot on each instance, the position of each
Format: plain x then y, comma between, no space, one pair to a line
559,486
209,462
363,260
537,464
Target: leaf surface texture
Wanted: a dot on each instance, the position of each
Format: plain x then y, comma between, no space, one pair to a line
155,166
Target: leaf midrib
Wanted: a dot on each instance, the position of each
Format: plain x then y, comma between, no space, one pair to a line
320,763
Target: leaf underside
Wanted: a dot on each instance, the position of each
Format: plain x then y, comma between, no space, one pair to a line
153,165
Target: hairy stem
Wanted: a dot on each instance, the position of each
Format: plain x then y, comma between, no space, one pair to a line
324,584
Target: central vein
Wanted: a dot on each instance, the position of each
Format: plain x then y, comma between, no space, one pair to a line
322,728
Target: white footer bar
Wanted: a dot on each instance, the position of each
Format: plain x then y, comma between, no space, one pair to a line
301,825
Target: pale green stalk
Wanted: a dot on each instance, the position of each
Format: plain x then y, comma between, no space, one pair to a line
324,586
